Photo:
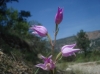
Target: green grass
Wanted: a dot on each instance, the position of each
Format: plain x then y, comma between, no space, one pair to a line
98,62
62,66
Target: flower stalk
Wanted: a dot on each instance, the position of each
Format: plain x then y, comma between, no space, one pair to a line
51,43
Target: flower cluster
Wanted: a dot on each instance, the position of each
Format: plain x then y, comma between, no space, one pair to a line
66,50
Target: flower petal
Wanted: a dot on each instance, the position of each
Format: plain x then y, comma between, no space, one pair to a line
50,57
34,33
41,30
42,66
68,46
68,52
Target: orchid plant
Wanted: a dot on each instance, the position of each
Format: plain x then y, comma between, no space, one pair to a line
66,50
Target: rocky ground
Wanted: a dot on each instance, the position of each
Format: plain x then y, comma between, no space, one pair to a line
8,65
86,68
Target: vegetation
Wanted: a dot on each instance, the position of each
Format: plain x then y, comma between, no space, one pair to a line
15,39
83,41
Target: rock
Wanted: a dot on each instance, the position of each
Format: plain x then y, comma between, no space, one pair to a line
1,53
69,71
9,66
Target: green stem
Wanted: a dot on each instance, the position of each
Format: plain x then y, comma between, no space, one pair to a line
53,71
56,32
36,71
56,27
52,49
57,57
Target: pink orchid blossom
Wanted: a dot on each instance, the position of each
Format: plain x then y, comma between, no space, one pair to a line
48,63
67,50
59,16
39,30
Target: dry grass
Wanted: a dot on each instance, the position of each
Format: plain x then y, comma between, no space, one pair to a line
86,68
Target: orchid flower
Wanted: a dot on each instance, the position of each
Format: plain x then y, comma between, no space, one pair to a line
39,30
48,63
67,50
59,16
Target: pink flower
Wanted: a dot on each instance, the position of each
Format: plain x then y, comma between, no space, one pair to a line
39,30
48,63
59,16
68,50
